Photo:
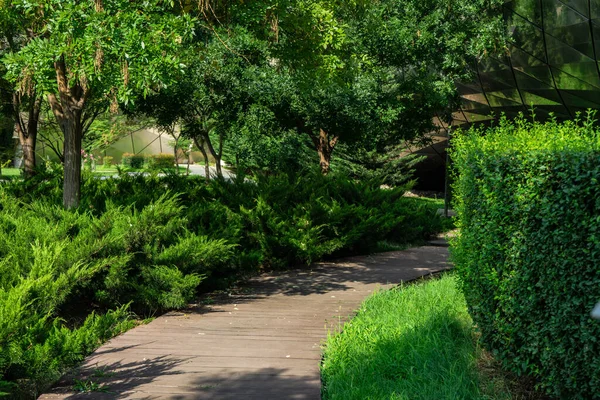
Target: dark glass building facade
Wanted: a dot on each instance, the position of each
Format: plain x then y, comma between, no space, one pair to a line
551,66
552,63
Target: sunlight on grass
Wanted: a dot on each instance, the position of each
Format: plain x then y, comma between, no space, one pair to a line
10,172
414,342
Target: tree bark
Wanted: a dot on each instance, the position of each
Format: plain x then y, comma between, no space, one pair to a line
27,130
219,167
68,110
216,156
72,165
176,156
324,146
171,131
28,146
200,146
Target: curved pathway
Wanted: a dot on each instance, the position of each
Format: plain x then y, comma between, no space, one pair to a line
260,341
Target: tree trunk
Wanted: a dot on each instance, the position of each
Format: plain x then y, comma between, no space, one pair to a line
200,146
27,130
72,164
216,156
219,169
68,110
175,148
325,147
28,146
176,158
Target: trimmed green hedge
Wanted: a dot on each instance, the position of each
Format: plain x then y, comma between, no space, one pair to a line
528,255
161,161
133,160
107,162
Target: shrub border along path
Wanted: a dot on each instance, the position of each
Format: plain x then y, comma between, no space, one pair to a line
261,341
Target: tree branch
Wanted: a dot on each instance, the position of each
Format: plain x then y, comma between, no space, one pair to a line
333,141
56,107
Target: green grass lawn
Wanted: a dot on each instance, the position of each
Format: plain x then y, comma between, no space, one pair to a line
10,172
113,170
414,342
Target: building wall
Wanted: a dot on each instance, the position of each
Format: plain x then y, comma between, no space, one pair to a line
552,65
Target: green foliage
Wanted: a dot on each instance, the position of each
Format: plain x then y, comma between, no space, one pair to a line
413,342
135,161
374,73
107,162
529,248
6,141
88,386
128,244
89,56
37,349
161,161
111,48
257,143
387,166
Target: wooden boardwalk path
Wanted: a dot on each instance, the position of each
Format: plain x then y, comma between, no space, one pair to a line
262,341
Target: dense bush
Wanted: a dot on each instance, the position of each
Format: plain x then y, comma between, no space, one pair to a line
153,242
135,161
528,254
107,162
56,263
161,161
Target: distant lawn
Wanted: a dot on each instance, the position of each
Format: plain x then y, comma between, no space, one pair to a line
10,172
415,342
114,171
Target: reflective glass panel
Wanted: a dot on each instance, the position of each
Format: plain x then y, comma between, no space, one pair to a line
581,6
526,35
478,99
529,9
585,71
505,98
595,8
560,53
568,26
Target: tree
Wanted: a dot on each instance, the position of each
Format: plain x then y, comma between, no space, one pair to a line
91,55
206,102
25,99
375,72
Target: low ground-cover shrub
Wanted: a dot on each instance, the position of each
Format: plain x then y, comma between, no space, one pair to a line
153,242
56,265
287,219
412,342
528,255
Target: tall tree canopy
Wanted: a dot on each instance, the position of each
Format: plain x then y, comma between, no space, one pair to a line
368,73
91,55
375,72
